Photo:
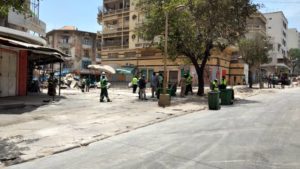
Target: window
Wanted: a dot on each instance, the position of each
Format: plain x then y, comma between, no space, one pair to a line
65,39
66,52
283,42
86,41
270,18
130,54
284,34
284,25
85,64
86,53
113,55
269,27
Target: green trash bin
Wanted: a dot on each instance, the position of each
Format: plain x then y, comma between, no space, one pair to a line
226,96
214,100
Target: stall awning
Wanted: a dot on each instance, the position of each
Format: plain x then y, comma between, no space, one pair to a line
125,70
40,54
278,65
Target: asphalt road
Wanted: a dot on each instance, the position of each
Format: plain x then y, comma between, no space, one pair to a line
261,132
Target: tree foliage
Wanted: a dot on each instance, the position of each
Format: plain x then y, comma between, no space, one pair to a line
254,52
17,5
294,55
193,32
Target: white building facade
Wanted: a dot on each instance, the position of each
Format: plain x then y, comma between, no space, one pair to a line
277,28
293,38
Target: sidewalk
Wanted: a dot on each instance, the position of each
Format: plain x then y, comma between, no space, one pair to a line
77,119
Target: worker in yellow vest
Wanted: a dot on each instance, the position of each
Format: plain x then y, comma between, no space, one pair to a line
134,83
214,85
223,84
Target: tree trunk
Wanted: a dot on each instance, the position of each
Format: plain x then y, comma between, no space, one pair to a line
200,76
250,79
200,69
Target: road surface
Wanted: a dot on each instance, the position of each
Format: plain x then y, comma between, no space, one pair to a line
261,132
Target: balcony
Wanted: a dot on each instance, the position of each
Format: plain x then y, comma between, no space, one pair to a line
110,1
115,34
256,29
142,45
110,12
64,45
104,48
116,28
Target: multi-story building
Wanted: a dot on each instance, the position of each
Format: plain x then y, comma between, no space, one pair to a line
256,26
293,38
22,50
26,22
81,45
277,26
122,48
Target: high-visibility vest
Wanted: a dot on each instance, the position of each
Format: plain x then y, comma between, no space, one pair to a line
224,82
215,86
189,80
103,83
134,81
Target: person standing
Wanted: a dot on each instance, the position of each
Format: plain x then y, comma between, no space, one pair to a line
154,84
270,81
87,84
214,85
223,84
134,83
52,82
142,86
189,81
182,84
160,85
104,87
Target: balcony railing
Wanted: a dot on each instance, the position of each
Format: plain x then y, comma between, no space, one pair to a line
113,12
125,46
142,45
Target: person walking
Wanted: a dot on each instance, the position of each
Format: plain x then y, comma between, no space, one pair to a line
154,84
104,87
82,84
142,86
134,83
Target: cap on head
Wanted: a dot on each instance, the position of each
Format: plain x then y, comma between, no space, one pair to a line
103,73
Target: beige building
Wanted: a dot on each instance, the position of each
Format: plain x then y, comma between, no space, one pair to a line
123,48
81,45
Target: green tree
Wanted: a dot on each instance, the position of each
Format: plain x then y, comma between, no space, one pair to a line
193,32
254,52
294,54
18,5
